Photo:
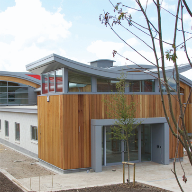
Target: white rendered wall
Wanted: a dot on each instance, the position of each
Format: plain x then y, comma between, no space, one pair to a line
25,120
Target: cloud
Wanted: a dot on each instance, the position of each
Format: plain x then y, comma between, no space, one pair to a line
135,57
168,6
33,30
143,2
103,50
132,41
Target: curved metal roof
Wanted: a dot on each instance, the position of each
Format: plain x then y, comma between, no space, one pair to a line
21,75
54,62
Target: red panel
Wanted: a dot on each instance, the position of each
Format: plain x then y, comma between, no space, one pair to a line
35,76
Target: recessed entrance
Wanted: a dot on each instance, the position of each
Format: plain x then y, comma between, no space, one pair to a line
115,151
149,142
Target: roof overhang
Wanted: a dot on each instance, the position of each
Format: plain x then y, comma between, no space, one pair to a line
54,62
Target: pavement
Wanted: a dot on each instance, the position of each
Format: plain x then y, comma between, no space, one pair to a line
146,172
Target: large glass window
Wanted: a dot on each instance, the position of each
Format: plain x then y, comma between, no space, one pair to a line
51,81
135,86
34,133
78,82
59,80
6,128
13,93
148,86
106,85
3,83
171,83
142,86
17,131
44,83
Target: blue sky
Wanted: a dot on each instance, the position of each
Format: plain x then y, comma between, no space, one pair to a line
32,29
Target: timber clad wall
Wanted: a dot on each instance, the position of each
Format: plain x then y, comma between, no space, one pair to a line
188,116
64,125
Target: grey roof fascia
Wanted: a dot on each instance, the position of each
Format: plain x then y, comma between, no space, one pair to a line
18,110
40,66
20,75
53,62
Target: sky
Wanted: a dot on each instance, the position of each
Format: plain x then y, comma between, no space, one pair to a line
33,29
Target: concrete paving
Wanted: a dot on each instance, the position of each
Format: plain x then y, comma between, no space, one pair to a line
147,172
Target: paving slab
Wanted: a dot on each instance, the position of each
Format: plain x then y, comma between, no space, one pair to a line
146,172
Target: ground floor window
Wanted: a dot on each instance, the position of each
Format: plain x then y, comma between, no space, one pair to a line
6,128
17,131
34,133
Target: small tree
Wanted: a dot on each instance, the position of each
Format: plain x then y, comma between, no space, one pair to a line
151,33
124,114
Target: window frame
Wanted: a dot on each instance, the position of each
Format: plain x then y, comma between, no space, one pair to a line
32,126
16,139
6,128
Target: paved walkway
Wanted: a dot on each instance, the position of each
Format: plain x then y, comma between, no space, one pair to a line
148,172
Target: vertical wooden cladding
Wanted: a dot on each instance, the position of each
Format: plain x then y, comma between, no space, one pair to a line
50,130
64,130
188,116
65,123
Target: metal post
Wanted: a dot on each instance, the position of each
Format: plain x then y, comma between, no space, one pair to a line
134,175
52,181
123,173
128,173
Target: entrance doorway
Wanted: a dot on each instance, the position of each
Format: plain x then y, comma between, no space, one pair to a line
115,151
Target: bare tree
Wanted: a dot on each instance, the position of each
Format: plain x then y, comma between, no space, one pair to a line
153,31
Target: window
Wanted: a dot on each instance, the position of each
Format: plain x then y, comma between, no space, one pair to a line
171,83
52,81
78,82
45,83
17,131
148,86
34,133
106,85
13,93
142,86
59,80
6,128
135,86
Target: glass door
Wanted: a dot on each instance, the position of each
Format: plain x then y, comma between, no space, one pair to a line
113,148
145,143
133,147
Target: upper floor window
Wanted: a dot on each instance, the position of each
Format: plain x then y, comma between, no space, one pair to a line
59,80
52,81
78,82
142,86
106,85
44,83
13,93
172,85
